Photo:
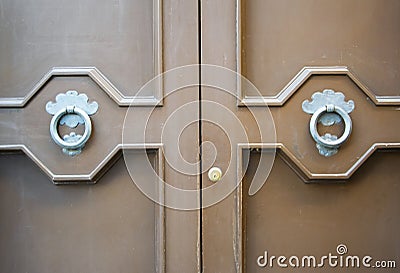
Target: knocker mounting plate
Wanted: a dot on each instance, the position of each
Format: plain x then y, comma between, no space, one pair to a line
71,109
329,107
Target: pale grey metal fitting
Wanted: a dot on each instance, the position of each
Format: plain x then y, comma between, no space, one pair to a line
324,107
71,109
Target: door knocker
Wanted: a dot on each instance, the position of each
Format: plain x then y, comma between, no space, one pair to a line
71,109
329,108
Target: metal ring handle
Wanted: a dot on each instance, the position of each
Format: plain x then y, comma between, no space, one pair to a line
54,125
347,126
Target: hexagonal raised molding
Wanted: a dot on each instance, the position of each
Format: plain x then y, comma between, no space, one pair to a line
303,172
278,100
284,95
156,99
288,91
94,175
97,77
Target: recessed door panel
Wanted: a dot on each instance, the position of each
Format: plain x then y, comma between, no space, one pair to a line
290,218
39,35
281,37
110,226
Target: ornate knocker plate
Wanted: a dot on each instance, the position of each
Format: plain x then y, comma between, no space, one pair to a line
71,109
329,108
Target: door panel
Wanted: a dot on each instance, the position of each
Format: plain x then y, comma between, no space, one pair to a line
362,35
107,227
309,204
288,217
39,35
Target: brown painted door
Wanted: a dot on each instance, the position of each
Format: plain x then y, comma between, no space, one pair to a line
344,206
281,201
54,217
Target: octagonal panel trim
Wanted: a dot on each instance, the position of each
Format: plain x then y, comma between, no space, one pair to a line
93,176
303,172
284,95
97,77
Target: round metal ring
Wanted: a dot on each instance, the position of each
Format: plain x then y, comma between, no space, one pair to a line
54,127
347,127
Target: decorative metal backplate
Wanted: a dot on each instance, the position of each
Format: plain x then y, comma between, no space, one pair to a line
72,98
328,96
329,108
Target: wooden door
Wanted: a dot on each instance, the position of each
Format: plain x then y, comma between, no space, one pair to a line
88,209
310,205
67,212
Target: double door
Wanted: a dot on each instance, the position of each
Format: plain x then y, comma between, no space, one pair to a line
230,136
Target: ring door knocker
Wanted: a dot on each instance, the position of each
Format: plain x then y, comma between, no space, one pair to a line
71,109
329,108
